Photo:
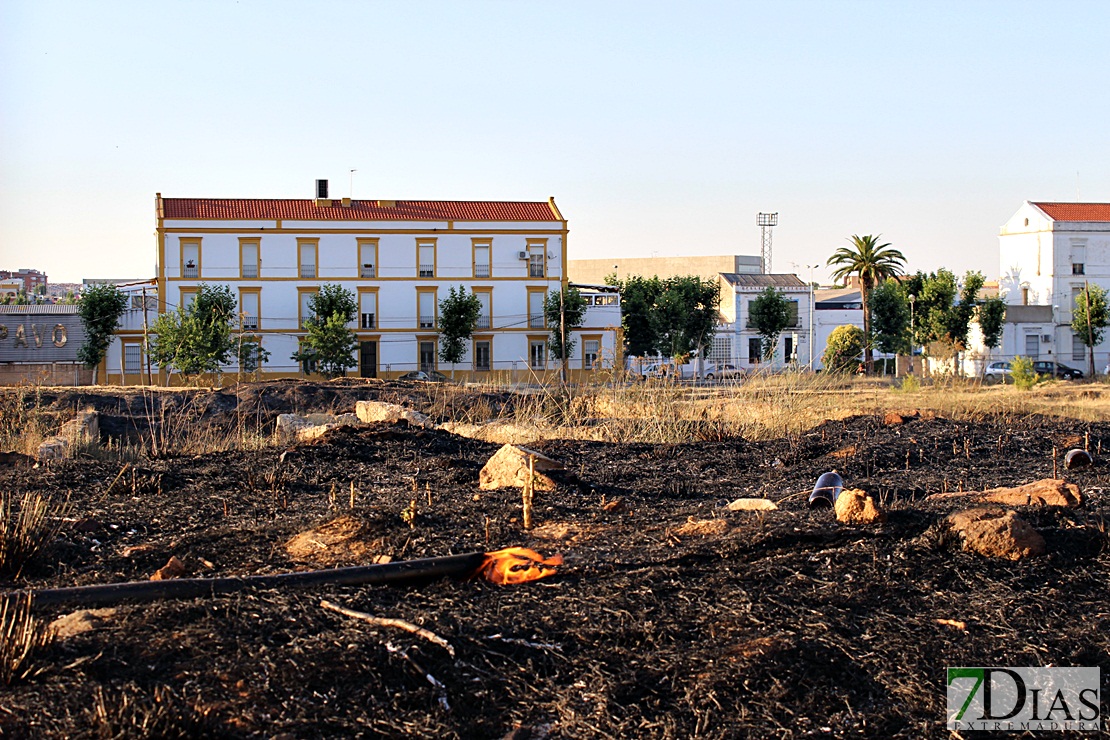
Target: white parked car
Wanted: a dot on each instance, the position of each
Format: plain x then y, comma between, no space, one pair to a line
997,372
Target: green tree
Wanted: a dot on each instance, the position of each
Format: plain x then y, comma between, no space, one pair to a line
197,339
638,297
458,317
1089,320
571,310
769,314
890,317
250,353
100,309
991,318
329,344
843,349
685,314
872,263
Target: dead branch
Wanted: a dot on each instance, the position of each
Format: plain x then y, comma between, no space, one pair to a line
390,622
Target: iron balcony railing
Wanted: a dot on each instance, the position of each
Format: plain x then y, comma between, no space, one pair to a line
368,271
368,321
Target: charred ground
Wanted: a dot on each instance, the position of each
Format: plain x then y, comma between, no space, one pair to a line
784,624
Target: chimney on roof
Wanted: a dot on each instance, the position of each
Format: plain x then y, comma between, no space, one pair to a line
387,204
322,194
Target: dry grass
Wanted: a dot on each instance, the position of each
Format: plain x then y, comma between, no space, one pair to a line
28,525
21,635
24,423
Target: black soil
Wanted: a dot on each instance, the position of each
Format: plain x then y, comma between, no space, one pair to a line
784,624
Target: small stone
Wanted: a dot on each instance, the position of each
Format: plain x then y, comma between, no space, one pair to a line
994,532
79,622
174,568
856,507
752,504
702,527
615,506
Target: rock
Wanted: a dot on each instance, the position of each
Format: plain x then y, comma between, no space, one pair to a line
508,468
854,506
342,541
497,432
174,568
85,429
995,532
702,527
53,448
752,504
1047,492
893,419
79,622
312,426
616,506
377,411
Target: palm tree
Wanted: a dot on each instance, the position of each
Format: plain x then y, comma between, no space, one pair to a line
872,263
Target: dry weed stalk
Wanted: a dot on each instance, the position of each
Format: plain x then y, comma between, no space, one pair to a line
21,635
27,527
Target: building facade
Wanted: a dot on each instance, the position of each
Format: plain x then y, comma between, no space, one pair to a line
706,267
1048,253
399,259
738,290
28,280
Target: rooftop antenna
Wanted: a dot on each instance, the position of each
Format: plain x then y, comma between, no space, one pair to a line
766,221
351,187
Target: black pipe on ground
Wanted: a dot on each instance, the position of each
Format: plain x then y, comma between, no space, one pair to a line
401,572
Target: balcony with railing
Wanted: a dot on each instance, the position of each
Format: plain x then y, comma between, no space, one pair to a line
427,271
250,271
535,320
483,322
369,321
427,322
190,270
481,271
367,271
250,323
308,271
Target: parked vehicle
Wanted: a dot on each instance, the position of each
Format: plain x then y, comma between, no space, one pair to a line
428,376
728,372
1056,370
997,372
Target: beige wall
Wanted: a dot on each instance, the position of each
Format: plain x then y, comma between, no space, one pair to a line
44,374
593,271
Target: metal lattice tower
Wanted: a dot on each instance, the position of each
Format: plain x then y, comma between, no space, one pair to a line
765,222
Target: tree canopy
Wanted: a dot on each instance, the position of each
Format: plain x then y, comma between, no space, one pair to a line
458,317
329,344
196,339
769,314
1089,319
563,317
100,309
872,263
890,317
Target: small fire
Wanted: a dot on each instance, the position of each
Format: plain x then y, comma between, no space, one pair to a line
517,565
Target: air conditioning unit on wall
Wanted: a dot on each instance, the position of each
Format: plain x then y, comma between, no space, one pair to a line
522,255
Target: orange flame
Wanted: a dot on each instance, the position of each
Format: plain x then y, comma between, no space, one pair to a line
517,565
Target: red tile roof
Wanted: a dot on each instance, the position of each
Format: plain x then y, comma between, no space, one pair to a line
360,210
1076,211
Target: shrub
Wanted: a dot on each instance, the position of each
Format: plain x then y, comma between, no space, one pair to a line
1021,370
844,348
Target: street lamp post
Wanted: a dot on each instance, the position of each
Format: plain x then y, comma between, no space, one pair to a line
913,298
812,308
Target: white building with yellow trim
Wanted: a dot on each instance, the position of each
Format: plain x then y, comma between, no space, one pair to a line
399,258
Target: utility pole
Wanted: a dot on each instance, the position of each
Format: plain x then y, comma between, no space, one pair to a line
1090,331
146,342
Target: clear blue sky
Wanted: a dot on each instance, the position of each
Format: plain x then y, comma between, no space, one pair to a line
659,127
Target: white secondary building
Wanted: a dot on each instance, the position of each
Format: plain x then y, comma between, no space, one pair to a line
740,343
398,258
1047,253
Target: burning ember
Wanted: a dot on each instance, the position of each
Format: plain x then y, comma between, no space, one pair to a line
517,565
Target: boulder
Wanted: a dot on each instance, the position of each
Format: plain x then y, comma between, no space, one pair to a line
854,506
1047,492
85,429
994,532
53,448
508,468
377,411
752,504
312,426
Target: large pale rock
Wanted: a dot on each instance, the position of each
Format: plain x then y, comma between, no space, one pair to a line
854,506
342,541
752,504
312,426
376,411
995,532
508,468
84,429
1047,492
53,448
497,432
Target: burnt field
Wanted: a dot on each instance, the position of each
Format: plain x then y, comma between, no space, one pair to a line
671,616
